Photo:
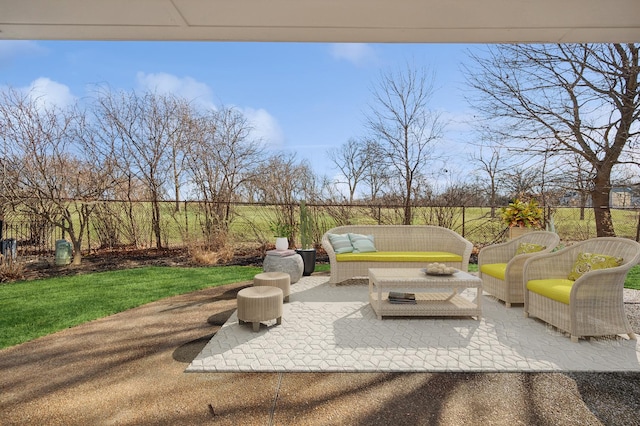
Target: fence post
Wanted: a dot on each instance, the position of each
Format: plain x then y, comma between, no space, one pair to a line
186,223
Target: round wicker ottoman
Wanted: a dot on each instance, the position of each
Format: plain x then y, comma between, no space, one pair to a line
282,280
261,303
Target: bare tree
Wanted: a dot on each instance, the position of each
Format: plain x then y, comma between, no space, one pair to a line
222,159
53,170
566,99
180,145
490,161
575,176
405,128
376,176
352,159
144,129
520,182
283,182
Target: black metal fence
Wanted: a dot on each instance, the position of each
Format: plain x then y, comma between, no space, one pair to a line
188,224
21,237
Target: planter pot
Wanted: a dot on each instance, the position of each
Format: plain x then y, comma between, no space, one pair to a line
309,260
282,243
517,231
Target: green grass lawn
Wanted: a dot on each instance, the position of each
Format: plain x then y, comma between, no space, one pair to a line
31,309
633,278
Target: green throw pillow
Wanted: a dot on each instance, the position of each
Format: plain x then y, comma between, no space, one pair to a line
362,243
340,243
592,262
524,248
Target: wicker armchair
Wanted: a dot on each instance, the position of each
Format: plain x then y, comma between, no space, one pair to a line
501,270
596,306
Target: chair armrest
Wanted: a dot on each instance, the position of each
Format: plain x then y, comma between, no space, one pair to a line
515,266
548,265
602,286
497,253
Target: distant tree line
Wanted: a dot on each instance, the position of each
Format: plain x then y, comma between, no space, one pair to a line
551,119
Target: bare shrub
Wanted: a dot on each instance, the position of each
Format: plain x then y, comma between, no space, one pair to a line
106,224
206,257
10,270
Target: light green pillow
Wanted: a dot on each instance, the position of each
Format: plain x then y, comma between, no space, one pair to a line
362,243
524,248
340,243
592,262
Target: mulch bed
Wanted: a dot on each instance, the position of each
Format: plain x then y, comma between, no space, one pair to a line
111,260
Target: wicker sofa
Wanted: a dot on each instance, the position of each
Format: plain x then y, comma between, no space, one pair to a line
398,246
592,305
501,269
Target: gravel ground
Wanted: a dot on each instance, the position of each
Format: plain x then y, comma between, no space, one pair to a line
128,369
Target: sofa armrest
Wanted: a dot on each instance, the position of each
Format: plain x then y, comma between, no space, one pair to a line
328,248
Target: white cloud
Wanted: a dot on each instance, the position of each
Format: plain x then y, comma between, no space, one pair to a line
185,87
10,49
47,92
356,53
265,126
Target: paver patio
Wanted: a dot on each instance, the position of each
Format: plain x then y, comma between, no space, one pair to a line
329,328
128,368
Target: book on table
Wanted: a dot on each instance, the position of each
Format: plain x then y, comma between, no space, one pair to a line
399,297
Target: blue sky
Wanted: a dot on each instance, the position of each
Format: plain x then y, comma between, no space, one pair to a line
301,97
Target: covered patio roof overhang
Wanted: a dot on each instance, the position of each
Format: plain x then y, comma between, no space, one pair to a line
395,21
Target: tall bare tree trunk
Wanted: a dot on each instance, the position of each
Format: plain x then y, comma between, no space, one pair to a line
601,210
156,221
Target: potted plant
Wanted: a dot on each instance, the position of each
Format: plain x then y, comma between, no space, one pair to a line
308,252
521,216
282,232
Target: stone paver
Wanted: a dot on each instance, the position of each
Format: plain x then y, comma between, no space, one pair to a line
333,329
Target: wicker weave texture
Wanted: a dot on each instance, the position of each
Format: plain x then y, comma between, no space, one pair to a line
596,306
511,289
397,238
261,303
282,280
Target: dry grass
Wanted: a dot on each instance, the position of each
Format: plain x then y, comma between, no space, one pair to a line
208,257
10,270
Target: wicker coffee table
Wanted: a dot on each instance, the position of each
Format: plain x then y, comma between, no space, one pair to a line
435,295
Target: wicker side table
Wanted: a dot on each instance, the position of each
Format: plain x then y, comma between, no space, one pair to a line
257,304
282,280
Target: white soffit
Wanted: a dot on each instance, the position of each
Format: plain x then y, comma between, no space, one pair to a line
459,21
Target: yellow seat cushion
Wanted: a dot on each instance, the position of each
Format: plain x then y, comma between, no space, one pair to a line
495,270
399,256
558,289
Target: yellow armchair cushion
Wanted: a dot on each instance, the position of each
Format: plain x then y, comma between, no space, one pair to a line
399,256
558,289
496,270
